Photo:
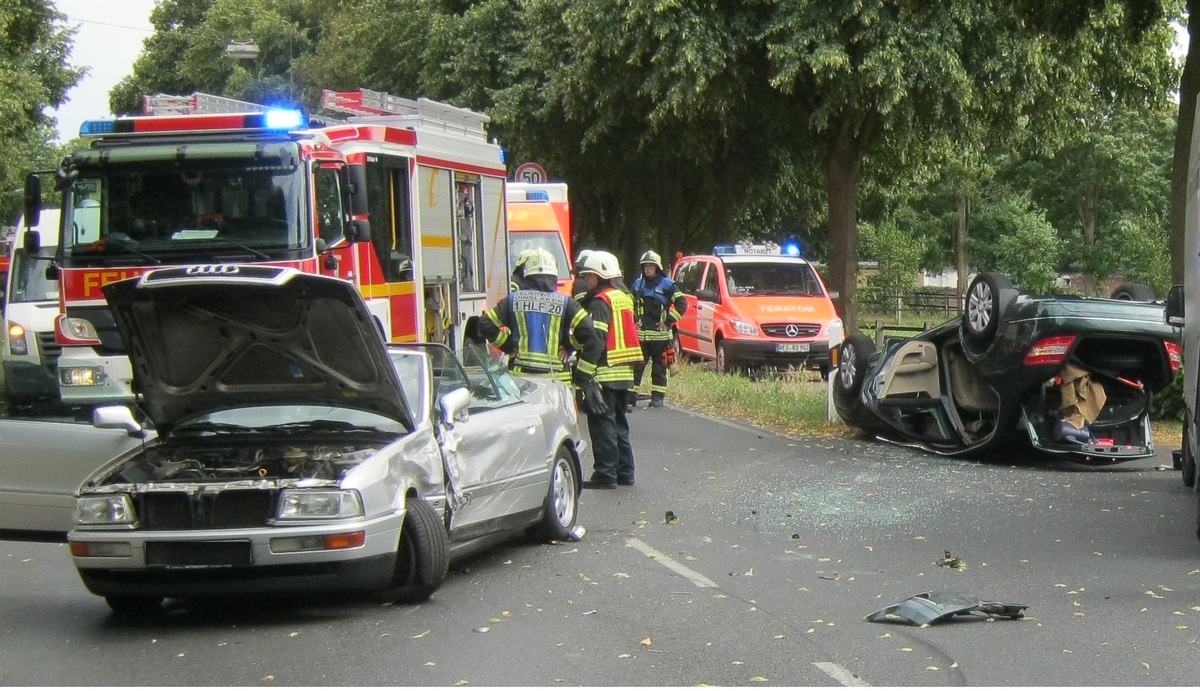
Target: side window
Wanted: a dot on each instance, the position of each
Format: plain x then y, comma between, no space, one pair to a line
330,217
709,280
388,206
468,215
688,277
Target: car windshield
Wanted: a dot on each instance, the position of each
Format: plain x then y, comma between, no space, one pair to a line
772,278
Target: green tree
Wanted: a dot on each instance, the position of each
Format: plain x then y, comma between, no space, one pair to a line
1015,239
34,75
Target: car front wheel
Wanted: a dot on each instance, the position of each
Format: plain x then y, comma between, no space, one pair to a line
561,507
423,557
723,365
983,305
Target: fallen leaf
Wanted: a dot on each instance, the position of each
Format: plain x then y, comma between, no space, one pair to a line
431,664
886,635
932,668
759,678
1146,665
621,574
906,650
749,573
482,629
811,631
954,666
461,682
646,641
423,634
780,636
623,655
269,677
293,634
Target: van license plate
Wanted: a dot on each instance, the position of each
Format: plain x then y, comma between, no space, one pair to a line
791,347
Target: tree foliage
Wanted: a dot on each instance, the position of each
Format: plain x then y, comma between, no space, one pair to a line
34,75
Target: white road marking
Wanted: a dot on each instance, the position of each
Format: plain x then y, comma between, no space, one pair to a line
699,579
840,674
835,671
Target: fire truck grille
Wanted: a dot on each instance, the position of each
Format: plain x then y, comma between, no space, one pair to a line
791,330
231,508
47,346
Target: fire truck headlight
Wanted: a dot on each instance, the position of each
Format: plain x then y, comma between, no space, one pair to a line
80,328
81,376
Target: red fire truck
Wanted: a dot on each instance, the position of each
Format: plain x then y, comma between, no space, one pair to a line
404,198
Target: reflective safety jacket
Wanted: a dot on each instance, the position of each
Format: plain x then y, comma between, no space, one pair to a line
659,303
611,310
534,325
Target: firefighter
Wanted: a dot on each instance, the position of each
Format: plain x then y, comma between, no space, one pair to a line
611,310
579,286
535,322
658,303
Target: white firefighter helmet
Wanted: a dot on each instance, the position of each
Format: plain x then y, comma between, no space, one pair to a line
523,257
541,263
603,264
651,257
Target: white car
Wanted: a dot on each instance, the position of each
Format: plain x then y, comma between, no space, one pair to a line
295,451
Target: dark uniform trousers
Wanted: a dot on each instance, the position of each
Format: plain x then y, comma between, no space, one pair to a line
608,431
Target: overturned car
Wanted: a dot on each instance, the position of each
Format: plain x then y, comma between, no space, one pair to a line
1076,375
295,451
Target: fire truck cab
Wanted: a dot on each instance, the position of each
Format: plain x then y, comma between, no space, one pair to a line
539,215
403,198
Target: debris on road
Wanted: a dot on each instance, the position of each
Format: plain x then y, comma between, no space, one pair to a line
951,562
938,606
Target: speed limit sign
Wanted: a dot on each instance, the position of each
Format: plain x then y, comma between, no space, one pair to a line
530,172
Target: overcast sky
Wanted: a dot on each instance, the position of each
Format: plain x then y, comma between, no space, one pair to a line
109,39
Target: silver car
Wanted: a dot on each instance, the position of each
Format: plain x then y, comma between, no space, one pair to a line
295,451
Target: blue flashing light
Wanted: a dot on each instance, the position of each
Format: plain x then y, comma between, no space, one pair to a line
503,155
725,249
95,127
283,119
537,195
792,248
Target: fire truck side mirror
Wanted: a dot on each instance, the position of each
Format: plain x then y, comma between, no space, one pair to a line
52,272
358,230
33,200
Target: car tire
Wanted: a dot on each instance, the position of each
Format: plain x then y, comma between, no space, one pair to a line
423,556
982,313
560,509
1136,292
1188,466
849,376
723,364
134,605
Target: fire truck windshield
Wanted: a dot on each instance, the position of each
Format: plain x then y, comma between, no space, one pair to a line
160,209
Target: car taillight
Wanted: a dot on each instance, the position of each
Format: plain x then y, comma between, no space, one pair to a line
1049,351
1174,354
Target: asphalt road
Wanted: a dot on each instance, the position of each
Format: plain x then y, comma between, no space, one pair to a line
780,548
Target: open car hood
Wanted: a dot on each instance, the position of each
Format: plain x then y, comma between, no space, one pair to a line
211,338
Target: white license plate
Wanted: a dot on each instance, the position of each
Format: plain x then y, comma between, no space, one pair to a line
791,347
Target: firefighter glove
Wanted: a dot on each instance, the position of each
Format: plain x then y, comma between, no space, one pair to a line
591,398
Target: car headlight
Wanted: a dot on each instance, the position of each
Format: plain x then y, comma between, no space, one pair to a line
113,510
743,328
307,504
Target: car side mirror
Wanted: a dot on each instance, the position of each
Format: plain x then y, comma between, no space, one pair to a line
454,404
117,417
833,295
1175,306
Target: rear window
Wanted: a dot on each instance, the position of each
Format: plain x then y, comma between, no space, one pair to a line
772,278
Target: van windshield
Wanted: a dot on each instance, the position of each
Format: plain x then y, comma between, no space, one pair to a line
28,282
772,278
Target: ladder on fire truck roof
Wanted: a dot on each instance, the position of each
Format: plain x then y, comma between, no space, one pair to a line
423,113
364,105
166,104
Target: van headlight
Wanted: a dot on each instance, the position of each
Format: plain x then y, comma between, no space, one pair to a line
111,510
743,328
307,504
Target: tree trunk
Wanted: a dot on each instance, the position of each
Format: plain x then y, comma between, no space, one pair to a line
841,186
962,262
846,151
1189,87
1087,218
